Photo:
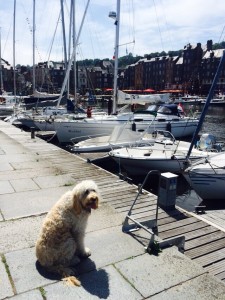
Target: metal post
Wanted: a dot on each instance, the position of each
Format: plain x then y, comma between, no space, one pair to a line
32,132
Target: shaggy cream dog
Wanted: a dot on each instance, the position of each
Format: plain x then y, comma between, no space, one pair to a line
61,241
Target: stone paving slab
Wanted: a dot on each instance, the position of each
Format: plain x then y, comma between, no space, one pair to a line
151,274
105,283
27,165
29,203
5,166
109,246
6,188
23,185
22,267
31,295
17,174
5,286
10,148
203,287
55,181
19,234
20,157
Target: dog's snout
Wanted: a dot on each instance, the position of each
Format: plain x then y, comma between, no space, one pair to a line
94,199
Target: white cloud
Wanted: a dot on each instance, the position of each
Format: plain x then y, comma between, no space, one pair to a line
155,26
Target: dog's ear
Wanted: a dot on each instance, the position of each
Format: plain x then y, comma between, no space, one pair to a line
76,205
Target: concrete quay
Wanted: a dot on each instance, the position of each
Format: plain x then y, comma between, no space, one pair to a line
33,175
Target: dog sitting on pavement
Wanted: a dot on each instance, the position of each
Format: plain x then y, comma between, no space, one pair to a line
61,242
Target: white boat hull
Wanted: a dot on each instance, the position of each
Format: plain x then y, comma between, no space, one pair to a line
162,157
81,130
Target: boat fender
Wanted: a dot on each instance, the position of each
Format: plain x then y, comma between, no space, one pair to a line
50,119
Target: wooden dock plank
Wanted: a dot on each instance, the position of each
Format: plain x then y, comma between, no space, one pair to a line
216,268
205,239
184,222
206,248
211,258
181,230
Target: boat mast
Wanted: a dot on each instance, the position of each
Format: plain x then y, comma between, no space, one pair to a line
34,29
117,24
74,61
1,79
14,51
208,99
72,56
64,34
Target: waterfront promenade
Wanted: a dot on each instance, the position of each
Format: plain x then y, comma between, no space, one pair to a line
33,175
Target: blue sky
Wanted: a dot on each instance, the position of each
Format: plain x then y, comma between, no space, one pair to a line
146,26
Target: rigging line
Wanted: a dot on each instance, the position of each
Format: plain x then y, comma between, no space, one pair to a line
160,33
132,4
221,36
7,37
167,27
30,27
53,39
131,20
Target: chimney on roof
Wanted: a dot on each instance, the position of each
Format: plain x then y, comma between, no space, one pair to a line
209,45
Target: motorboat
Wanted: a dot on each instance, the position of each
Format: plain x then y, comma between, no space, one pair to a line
163,117
207,177
165,155
120,137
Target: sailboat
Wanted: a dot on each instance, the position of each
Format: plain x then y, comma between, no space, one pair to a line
39,99
104,124
8,102
207,176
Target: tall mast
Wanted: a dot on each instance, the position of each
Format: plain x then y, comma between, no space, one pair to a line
34,29
72,55
1,79
64,34
117,24
74,46
14,51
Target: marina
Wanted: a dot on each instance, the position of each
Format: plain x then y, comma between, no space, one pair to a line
124,155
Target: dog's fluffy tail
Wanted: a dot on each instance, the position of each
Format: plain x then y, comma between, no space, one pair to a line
66,273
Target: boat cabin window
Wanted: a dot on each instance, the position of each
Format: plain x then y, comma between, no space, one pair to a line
168,110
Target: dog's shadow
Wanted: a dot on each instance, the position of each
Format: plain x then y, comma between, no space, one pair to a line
95,282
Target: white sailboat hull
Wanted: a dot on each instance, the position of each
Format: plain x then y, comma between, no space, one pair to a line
83,129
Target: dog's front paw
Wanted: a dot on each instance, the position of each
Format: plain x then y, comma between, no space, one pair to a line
86,252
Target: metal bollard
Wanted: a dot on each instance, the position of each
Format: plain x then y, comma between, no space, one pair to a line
32,132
